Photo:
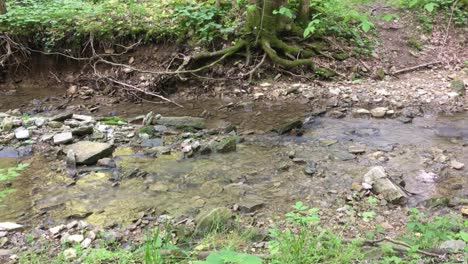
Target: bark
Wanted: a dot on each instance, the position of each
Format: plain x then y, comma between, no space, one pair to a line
3,9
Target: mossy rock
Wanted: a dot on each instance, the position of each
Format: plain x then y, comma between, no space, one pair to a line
228,144
341,56
324,73
149,130
217,219
288,126
380,74
180,122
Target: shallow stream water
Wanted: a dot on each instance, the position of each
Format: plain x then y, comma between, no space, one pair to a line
258,173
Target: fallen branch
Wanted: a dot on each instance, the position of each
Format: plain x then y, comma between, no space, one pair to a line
415,67
406,246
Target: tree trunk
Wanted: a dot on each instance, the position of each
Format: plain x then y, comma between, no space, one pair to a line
2,7
267,27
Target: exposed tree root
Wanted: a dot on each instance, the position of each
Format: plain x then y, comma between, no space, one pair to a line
283,62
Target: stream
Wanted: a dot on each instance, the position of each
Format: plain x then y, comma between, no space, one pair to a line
259,176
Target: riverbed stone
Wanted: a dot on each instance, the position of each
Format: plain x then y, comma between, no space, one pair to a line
7,124
288,125
377,180
83,131
357,149
54,124
63,138
379,112
22,133
251,204
88,152
153,142
310,168
456,165
62,117
181,122
228,144
10,226
75,239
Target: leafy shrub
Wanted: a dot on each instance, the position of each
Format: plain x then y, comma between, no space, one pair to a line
460,13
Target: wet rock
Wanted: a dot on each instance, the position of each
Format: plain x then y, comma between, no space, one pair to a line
70,254
63,138
211,220
160,129
72,123
292,154
84,118
105,162
310,168
378,112
456,165
342,155
158,187
361,111
405,119
228,144
182,122
88,152
458,87
205,150
153,142
328,142
10,226
357,149
83,131
377,180
453,245
21,133
288,126
62,117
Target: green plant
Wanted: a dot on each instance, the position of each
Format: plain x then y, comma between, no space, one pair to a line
112,120
8,174
226,256
366,216
156,242
305,242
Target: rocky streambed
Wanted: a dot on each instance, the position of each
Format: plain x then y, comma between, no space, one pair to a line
127,174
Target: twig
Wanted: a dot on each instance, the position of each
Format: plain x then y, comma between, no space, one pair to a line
416,67
447,30
251,72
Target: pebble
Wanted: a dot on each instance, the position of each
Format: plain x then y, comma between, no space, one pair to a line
357,149
379,112
69,254
74,239
456,165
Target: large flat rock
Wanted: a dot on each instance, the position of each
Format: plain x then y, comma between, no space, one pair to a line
88,152
181,122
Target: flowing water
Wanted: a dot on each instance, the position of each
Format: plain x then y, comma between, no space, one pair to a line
258,173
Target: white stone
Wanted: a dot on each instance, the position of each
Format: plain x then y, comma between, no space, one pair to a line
63,138
86,242
21,133
456,165
55,230
10,226
75,238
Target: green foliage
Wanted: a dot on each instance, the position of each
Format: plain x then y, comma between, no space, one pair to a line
429,233
154,244
366,216
53,23
305,242
430,7
228,256
103,255
285,12
202,20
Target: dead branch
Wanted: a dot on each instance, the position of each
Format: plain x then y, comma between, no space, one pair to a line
415,67
406,246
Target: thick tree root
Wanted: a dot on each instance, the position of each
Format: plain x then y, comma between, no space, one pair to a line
279,44
227,51
283,62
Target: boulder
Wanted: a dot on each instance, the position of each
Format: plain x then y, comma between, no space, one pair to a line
181,122
377,180
87,152
62,117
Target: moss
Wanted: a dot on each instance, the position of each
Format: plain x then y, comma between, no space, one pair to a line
414,43
112,120
324,73
146,130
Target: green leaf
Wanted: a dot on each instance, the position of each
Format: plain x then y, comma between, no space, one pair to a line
430,7
284,11
463,235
